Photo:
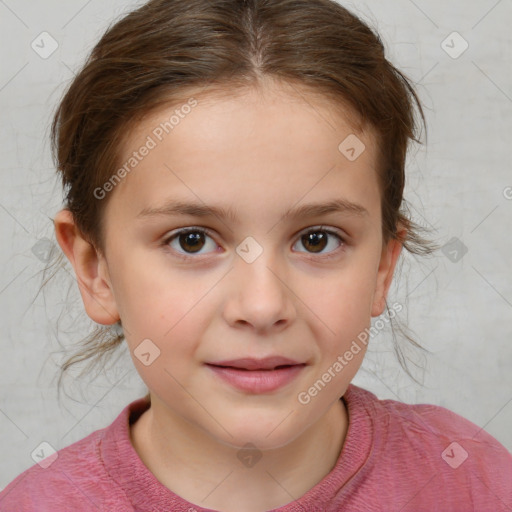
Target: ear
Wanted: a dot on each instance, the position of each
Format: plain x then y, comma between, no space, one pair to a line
90,268
389,258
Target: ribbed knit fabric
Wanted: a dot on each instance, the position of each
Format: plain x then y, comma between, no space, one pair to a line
396,457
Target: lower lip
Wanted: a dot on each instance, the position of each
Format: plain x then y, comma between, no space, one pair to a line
257,381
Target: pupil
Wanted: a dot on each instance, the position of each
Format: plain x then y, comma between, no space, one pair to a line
192,240
318,240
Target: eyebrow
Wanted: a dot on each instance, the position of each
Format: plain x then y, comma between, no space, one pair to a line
173,208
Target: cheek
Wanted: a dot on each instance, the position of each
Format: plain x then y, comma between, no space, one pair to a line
342,312
148,296
172,311
171,318
342,299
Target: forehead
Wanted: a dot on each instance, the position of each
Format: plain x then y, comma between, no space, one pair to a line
263,104
277,143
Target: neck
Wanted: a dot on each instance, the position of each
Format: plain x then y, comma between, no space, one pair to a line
211,474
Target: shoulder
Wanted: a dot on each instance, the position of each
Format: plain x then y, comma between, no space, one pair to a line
421,441
73,478
437,423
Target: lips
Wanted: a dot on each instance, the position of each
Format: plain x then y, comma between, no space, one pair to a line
267,363
257,376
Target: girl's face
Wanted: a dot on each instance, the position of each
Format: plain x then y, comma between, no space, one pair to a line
282,257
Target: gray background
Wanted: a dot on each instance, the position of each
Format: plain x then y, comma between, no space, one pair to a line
460,308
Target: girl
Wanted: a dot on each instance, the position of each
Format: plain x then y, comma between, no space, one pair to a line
234,172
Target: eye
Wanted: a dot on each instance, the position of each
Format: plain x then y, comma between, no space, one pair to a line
189,241
317,239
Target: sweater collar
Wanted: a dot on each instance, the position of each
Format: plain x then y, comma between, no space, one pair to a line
145,492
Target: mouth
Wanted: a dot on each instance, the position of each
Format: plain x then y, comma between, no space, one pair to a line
249,363
257,376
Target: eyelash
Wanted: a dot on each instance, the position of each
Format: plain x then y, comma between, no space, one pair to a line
194,229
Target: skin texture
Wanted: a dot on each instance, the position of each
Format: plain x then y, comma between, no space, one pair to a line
257,153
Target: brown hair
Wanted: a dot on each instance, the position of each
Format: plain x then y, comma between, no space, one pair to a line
160,52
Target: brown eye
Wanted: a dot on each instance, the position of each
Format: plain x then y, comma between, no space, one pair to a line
190,241
315,241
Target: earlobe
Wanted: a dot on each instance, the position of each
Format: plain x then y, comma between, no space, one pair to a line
388,261
90,270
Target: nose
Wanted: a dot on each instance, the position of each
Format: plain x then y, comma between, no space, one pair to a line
260,297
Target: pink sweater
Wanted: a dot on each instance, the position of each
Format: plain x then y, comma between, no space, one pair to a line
396,457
